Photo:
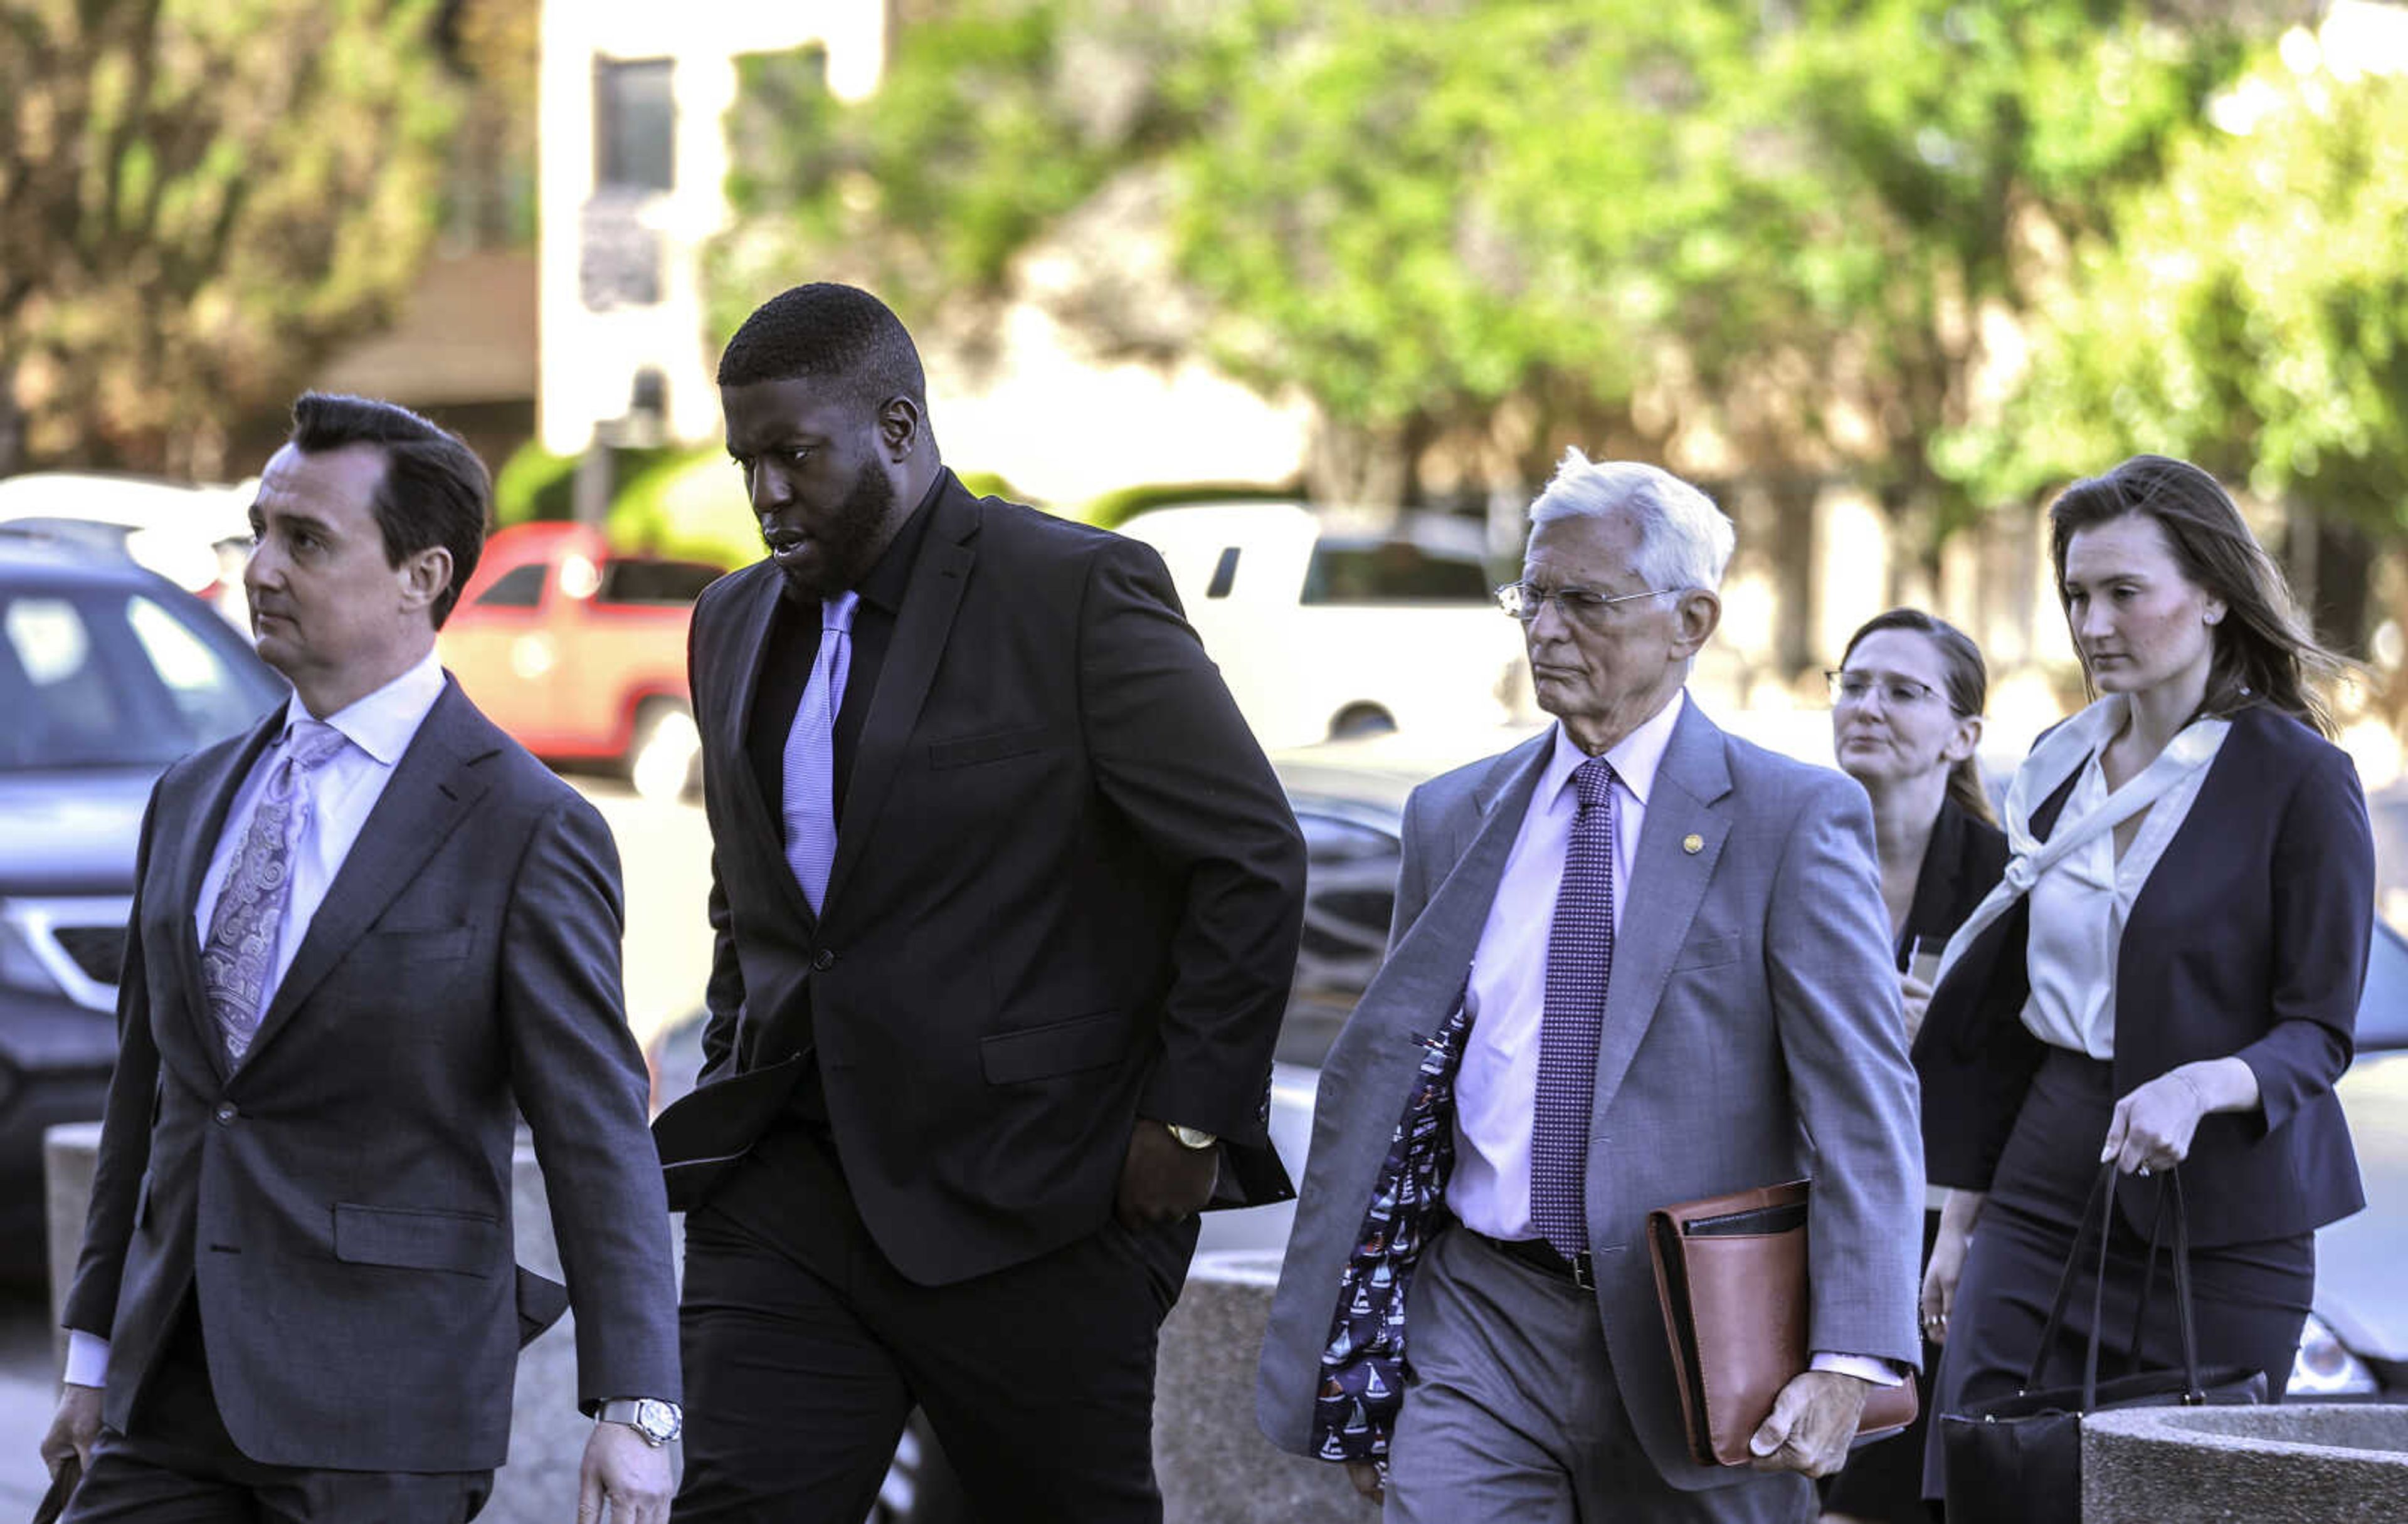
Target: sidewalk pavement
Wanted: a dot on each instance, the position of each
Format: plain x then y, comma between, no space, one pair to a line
28,1391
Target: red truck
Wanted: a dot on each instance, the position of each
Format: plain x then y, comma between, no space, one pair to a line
580,652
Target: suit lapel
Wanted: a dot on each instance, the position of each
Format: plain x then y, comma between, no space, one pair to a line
189,854
1668,884
431,788
1431,963
755,615
930,600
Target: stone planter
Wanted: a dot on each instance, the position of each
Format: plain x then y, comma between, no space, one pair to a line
2309,1463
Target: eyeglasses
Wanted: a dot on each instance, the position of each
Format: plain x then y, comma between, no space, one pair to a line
1851,687
1586,605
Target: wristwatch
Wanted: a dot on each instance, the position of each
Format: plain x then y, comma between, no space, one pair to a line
656,1421
1191,1137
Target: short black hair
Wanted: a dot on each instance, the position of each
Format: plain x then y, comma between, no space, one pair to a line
435,491
827,332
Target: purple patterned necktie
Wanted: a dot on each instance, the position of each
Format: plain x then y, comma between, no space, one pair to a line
247,921
1580,955
809,799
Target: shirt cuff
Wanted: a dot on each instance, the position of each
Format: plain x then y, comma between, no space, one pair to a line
1880,1372
87,1359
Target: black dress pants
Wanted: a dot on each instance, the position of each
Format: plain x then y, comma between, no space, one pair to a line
2250,1298
176,1465
805,1352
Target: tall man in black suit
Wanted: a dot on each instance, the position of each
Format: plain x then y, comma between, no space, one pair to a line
367,936
1007,904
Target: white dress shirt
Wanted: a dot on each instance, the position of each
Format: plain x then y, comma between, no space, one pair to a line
1496,1091
2080,904
342,790
1497,1086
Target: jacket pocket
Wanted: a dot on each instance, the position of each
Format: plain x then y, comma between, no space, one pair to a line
986,749
1060,1047
418,1238
1707,952
435,946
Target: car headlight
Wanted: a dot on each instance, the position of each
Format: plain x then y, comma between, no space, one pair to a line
2324,1367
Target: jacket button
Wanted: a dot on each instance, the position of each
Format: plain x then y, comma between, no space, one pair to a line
226,1114
824,961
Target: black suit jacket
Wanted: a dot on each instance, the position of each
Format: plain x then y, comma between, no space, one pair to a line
339,1206
1068,891
1961,864
2249,940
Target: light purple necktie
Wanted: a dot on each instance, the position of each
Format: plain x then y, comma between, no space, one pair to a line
810,753
1580,957
248,918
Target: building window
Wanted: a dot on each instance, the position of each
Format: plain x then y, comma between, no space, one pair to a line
635,126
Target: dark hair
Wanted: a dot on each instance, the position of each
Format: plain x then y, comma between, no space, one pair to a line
2264,650
434,490
1969,689
832,332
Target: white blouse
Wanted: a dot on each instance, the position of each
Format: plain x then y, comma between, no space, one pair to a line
2079,908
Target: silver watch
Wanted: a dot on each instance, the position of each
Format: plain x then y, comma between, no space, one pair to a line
656,1421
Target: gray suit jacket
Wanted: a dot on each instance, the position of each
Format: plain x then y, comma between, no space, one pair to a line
1752,1035
339,1206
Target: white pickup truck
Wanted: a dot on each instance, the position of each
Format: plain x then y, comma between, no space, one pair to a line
1331,624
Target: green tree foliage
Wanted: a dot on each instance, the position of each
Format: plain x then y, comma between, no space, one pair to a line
1484,227
2249,311
198,199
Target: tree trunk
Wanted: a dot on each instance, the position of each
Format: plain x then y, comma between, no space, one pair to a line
12,422
1797,609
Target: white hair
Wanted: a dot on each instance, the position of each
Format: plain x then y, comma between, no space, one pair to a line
1685,541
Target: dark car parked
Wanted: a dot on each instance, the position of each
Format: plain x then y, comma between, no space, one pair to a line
107,674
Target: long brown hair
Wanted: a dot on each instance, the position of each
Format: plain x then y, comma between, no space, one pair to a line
1969,689
2263,650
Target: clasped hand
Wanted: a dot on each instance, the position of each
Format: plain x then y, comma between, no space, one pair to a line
1162,1179
2152,1127
1814,1422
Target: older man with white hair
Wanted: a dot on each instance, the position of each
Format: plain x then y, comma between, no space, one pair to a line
1635,961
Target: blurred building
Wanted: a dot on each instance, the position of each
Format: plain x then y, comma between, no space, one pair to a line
633,157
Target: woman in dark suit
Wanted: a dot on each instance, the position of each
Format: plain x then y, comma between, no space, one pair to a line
2169,974
1906,715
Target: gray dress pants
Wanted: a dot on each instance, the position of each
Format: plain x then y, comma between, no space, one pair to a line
1512,1416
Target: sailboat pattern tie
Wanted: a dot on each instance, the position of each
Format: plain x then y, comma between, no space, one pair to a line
1580,959
249,913
810,803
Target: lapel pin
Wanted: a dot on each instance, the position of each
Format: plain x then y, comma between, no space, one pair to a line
1693,844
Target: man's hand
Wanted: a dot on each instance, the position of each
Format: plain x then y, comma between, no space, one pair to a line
1162,1180
73,1426
1814,1421
631,1475
1370,1478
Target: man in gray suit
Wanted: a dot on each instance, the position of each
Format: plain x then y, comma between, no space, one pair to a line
366,936
1635,961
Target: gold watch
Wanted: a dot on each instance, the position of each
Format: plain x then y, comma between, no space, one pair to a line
1191,1137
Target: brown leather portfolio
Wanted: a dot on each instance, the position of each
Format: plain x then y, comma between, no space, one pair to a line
1730,1273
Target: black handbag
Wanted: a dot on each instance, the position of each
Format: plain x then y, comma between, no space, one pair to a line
2017,1460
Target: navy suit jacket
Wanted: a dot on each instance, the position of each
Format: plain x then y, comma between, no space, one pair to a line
2249,940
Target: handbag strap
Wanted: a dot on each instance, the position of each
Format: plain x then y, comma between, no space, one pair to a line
2102,1197
2091,1214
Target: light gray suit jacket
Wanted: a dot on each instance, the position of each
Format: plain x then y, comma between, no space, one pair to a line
1752,1035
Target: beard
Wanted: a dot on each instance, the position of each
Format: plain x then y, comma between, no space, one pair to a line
849,543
